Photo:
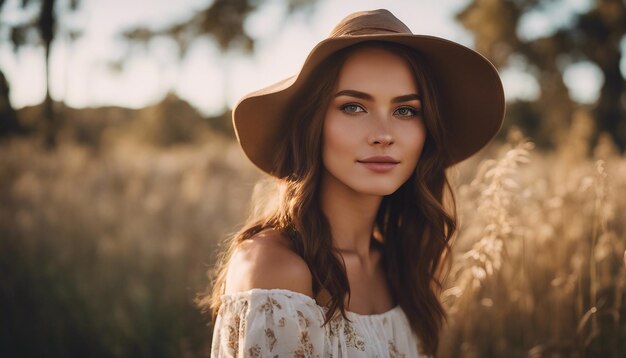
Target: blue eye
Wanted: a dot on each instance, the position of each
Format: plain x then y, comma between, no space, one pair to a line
407,111
352,108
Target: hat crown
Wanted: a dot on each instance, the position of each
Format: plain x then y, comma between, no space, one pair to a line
372,22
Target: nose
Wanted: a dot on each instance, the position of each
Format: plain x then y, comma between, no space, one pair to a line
382,138
381,134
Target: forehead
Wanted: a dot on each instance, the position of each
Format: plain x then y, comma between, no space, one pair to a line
376,69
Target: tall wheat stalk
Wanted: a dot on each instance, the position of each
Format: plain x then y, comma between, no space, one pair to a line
538,265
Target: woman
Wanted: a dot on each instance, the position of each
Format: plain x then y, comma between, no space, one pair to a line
349,261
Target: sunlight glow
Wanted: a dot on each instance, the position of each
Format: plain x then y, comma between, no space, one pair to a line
551,17
583,80
83,75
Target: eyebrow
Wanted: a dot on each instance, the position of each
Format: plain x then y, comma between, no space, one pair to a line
366,96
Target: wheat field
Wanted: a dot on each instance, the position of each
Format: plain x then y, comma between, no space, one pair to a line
103,252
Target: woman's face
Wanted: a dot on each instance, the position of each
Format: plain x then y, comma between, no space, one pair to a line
373,128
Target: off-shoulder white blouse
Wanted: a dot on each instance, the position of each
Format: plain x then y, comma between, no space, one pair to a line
284,323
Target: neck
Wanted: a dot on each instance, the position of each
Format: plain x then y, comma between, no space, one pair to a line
351,216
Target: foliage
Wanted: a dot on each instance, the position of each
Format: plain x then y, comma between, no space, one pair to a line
44,24
170,122
9,124
222,20
592,35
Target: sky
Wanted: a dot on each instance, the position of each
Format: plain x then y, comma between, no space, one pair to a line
83,76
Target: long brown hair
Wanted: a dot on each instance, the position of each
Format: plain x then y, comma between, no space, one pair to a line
412,222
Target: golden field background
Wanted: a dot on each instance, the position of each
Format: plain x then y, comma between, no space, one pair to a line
110,217
103,247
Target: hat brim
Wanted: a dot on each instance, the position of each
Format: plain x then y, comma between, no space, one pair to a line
471,97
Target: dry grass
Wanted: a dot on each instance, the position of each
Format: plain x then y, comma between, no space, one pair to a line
539,269
102,253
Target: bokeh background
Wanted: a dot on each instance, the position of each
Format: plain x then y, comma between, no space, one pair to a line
120,174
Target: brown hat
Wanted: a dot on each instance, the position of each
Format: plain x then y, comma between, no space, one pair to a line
469,88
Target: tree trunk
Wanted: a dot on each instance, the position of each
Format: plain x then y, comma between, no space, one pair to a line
9,124
46,29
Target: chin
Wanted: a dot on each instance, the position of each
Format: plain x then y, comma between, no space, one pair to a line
377,190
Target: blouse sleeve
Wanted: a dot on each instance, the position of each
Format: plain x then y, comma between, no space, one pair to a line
268,323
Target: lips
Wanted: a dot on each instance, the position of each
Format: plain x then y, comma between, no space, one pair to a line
379,164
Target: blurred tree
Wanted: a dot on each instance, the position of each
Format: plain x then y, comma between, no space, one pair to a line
44,24
593,35
221,20
8,118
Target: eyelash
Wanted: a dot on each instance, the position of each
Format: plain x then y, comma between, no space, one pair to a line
415,111
343,108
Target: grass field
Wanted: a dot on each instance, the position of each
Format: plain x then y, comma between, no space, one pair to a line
102,253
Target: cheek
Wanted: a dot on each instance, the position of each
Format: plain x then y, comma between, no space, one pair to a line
336,138
414,138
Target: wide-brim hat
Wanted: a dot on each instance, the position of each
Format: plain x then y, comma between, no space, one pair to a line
470,92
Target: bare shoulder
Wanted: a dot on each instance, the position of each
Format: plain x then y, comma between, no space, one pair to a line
267,261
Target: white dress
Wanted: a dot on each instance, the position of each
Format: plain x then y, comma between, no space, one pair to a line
284,323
